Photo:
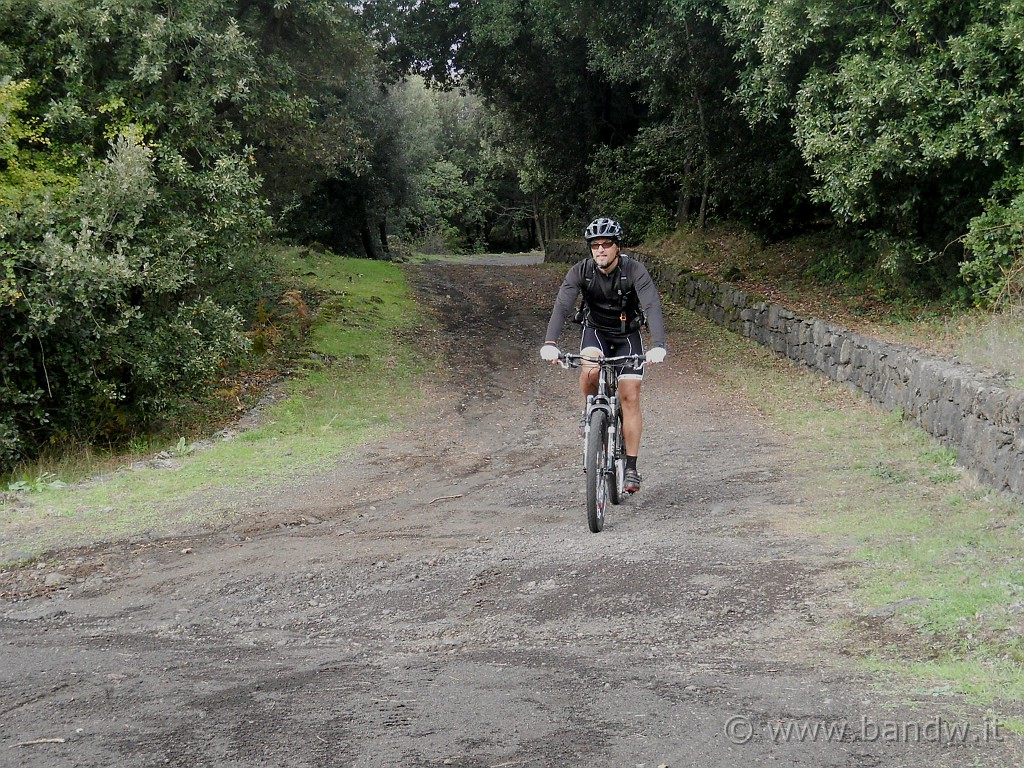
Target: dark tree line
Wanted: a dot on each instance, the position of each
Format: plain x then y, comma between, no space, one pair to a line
895,122
148,149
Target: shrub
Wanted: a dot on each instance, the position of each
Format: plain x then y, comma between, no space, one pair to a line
116,299
994,267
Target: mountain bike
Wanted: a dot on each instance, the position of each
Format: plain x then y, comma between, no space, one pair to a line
604,454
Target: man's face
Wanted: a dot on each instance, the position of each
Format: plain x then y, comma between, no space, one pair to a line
604,251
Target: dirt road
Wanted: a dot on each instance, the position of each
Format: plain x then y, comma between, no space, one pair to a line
437,600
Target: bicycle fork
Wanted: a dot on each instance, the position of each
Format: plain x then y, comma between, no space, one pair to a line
612,436
586,429
610,407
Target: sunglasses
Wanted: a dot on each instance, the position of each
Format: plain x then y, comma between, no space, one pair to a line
599,246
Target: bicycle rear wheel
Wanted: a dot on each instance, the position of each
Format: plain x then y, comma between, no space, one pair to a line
596,461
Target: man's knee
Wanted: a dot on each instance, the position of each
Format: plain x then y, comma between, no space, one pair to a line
629,392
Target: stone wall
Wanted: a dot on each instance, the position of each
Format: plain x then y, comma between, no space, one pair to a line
568,251
966,409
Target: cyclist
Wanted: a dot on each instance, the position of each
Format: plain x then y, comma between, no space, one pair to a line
619,297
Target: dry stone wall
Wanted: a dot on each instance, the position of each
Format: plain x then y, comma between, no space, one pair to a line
974,413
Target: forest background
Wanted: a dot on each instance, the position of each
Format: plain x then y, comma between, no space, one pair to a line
152,155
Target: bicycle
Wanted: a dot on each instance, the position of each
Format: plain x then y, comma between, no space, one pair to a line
604,454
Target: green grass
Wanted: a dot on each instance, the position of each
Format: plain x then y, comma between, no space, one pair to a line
356,379
993,342
932,547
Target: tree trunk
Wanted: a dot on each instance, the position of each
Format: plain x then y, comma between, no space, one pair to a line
705,139
702,217
539,225
365,230
383,229
685,198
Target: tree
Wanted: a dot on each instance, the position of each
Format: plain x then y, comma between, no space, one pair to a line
128,214
465,191
906,113
694,154
527,59
307,121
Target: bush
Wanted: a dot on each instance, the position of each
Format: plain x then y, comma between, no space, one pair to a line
994,267
116,299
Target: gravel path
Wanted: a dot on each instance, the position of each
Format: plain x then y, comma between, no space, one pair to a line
437,599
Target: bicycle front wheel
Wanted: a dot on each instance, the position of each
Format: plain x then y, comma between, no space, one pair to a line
596,466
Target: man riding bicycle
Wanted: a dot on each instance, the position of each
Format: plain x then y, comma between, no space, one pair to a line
619,297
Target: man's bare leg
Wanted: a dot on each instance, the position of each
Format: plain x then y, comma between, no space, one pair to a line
632,418
589,372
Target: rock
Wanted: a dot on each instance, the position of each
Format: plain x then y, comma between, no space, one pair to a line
43,609
55,580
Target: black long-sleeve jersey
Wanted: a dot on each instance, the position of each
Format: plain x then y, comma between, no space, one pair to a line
603,301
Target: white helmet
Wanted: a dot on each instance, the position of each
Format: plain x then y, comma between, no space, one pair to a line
603,228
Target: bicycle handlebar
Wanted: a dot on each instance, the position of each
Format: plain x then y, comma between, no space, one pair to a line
570,360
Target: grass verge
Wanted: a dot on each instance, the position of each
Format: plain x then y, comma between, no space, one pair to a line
936,576
355,378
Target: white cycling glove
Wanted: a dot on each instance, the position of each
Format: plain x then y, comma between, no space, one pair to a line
656,355
549,352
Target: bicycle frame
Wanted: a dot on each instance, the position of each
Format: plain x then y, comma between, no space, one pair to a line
607,398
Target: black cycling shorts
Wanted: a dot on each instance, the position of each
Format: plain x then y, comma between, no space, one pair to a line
614,345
